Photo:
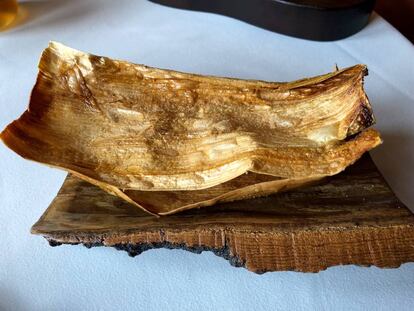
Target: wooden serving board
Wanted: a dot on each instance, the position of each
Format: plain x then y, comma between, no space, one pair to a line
352,218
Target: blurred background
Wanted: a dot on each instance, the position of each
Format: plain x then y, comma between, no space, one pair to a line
400,13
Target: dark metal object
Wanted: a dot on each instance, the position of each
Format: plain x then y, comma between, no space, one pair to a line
321,20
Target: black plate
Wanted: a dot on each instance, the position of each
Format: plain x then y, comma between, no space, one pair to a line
321,20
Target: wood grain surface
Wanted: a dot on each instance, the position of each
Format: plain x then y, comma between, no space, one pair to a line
351,218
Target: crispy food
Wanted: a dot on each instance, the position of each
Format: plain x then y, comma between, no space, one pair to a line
167,141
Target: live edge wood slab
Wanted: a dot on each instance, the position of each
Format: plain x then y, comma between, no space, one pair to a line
352,218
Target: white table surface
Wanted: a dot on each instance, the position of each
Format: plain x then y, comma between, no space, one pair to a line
34,276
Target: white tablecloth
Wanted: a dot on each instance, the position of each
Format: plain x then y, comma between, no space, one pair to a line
34,276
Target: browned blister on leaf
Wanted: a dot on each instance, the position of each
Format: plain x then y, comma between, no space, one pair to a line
167,141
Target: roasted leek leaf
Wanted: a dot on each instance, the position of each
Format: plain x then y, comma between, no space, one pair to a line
168,141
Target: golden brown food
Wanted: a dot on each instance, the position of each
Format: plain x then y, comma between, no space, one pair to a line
248,185
130,128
